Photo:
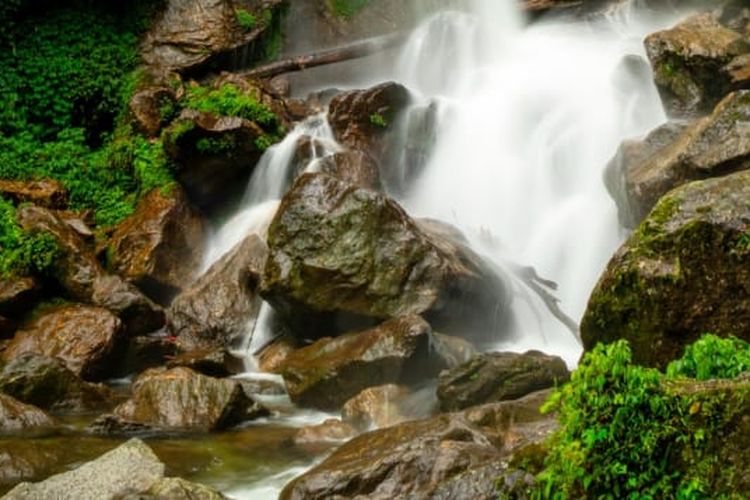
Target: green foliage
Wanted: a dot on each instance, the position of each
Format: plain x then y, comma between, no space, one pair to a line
245,19
347,8
378,120
628,431
712,357
20,252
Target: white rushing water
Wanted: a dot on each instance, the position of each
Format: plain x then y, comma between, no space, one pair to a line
528,118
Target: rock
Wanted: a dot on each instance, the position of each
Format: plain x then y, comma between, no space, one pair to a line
180,399
376,407
47,383
175,488
327,373
223,303
211,362
85,338
690,63
85,280
159,247
499,376
272,357
216,155
353,167
16,416
318,438
339,252
131,467
7,327
682,273
150,109
148,352
416,459
18,295
362,119
454,350
46,193
195,35
26,459
713,146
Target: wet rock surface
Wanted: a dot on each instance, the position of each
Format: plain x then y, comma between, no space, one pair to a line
46,193
690,63
338,250
416,459
216,310
18,295
180,399
682,273
147,107
327,373
16,416
377,407
499,376
85,338
159,247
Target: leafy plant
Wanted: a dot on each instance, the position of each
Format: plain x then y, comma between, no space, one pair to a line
20,252
712,357
378,120
245,19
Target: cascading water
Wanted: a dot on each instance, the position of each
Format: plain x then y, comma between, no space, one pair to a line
527,119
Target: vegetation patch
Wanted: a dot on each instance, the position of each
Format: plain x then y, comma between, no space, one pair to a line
23,253
347,8
245,19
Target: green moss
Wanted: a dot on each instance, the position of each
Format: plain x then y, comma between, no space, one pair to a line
245,19
378,120
228,100
346,8
208,145
23,253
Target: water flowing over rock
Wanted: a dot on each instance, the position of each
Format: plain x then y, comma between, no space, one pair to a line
180,399
339,249
681,274
216,154
85,280
221,305
675,154
46,193
499,376
159,247
16,416
317,438
415,459
327,373
85,338
691,63
47,383
376,407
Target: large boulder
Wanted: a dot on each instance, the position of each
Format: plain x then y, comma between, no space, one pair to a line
150,108
691,63
221,305
338,252
499,376
675,154
46,193
180,399
176,488
18,295
216,154
682,273
416,459
84,279
327,373
159,247
16,416
47,383
377,407
85,338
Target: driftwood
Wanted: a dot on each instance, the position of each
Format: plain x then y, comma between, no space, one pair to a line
355,50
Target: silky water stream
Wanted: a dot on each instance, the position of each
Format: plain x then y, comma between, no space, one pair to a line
527,117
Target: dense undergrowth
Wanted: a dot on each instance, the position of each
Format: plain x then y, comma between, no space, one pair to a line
632,432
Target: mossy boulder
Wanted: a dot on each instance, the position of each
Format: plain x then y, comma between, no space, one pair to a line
677,153
180,399
682,273
342,253
327,373
690,63
159,247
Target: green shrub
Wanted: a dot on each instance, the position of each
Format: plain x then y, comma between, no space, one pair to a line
22,253
245,19
712,357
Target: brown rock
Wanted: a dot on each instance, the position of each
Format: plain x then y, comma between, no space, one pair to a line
376,407
149,352
417,459
83,337
45,193
150,108
317,438
215,311
272,357
499,376
180,399
47,383
690,63
211,362
159,247
85,280
338,253
327,373
16,416
18,295
7,327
